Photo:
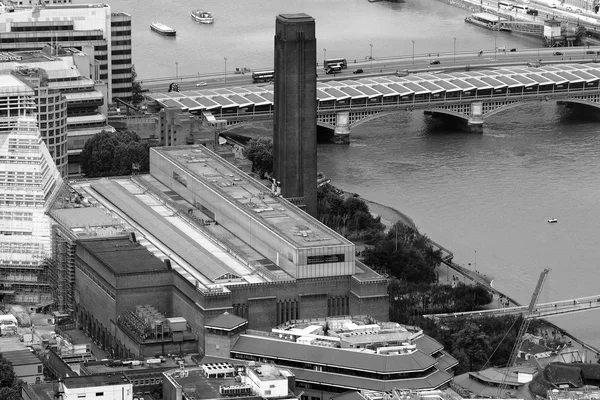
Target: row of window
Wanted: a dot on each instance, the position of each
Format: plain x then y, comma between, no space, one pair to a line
121,42
35,39
41,28
122,33
120,23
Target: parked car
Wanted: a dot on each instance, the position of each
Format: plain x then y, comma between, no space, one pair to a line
557,53
513,49
590,52
201,84
434,62
359,71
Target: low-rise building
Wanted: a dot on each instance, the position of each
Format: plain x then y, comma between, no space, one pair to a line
333,355
224,380
97,387
26,365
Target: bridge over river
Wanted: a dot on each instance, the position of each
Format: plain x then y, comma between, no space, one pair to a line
542,310
341,104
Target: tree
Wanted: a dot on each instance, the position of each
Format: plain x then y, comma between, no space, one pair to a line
260,152
136,88
473,345
114,154
10,386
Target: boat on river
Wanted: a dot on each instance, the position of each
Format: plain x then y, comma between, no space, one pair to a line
487,21
162,29
204,17
552,221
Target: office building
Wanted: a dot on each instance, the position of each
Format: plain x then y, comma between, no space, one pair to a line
30,182
71,107
295,114
91,28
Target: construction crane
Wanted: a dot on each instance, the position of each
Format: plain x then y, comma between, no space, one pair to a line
527,317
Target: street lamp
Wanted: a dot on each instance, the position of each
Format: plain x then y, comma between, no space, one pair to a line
371,57
225,58
454,49
176,71
324,57
413,51
495,47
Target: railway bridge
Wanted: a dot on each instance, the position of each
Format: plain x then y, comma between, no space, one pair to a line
470,96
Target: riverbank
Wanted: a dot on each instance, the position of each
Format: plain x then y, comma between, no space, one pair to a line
389,216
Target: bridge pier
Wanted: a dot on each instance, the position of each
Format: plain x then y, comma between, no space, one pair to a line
475,120
341,134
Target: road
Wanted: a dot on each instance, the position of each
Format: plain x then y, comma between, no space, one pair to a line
386,66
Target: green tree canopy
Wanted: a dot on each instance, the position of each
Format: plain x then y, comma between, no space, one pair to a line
114,154
260,152
10,386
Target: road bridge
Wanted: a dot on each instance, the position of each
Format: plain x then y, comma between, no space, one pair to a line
543,310
470,96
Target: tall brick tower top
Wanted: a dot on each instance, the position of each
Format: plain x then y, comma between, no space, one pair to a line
295,119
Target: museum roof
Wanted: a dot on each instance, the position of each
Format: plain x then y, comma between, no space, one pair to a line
252,197
122,256
172,237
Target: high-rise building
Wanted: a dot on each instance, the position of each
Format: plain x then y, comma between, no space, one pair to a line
29,182
92,28
71,107
295,116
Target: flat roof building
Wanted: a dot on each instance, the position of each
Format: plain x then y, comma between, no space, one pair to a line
334,355
232,245
26,365
92,28
223,380
71,104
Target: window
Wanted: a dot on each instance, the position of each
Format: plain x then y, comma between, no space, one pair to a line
267,392
39,369
99,394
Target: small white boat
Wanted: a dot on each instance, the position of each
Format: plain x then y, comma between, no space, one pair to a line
204,17
552,221
162,29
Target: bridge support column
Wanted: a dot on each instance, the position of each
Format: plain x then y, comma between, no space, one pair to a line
475,121
342,128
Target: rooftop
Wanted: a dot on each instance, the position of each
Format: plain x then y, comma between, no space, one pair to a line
226,321
252,197
123,256
383,347
95,380
21,357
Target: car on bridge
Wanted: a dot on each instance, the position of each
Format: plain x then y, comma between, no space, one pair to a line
358,71
590,52
558,53
434,62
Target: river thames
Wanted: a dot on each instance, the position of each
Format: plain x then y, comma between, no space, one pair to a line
485,197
